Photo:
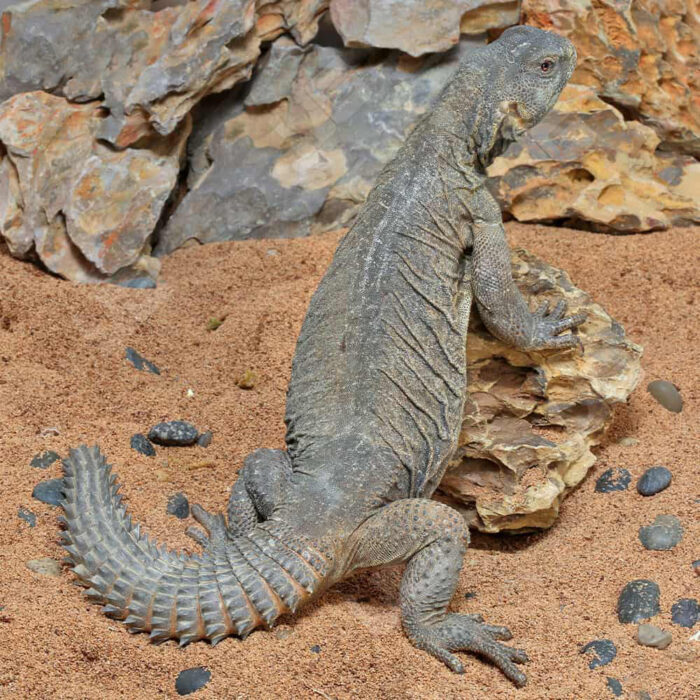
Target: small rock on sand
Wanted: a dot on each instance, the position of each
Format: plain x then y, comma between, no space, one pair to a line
654,480
664,534
44,460
174,433
140,362
685,612
614,686
179,506
142,444
602,651
192,679
50,491
27,515
613,480
638,601
204,440
653,636
666,394
46,566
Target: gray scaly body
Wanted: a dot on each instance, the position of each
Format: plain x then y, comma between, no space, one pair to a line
374,404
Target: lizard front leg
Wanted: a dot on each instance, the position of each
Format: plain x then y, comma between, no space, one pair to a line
432,537
502,307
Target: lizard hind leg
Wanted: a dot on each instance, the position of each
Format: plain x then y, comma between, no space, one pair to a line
432,537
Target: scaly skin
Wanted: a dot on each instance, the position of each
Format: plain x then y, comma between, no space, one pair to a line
374,404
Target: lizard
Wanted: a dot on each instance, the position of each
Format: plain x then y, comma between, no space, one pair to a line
374,402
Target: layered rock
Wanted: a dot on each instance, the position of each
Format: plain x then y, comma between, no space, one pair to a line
585,166
84,209
641,55
532,418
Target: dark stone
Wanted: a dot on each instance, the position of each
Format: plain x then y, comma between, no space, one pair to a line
615,686
141,363
470,594
664,534
27,515
192,679
174,433
50,492
141,444
685,612
603,652
316,648
653,480
44,460
638,601
179,506
139,283
613,479
204,440
666,394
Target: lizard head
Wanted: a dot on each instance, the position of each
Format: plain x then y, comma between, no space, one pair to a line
536,66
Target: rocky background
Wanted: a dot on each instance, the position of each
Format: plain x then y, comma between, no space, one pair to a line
129,128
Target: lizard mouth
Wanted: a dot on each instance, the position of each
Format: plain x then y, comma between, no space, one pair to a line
514,123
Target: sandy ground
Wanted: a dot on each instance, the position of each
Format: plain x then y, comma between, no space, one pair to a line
62,365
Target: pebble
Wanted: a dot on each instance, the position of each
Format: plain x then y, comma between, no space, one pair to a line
603,652
316,648
45,566
696,566
139,283
470,594
614,686
141,443
654,480
628,442
27,515
653,636
179,506
614,479
44,460
664,534
666,394
50,491
140,362
638,601
283,632
204,440
685,612
192,679
174,433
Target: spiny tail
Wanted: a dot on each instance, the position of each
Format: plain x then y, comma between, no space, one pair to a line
232,588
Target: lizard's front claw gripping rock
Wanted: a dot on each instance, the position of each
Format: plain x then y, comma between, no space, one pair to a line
375,400
547,326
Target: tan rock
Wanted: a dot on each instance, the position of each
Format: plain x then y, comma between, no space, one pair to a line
531,419
642,55
298,17
86,210
586,166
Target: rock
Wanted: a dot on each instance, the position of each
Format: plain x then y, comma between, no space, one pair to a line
638,601
306,143
696,566
44,460
298,17
531,419
614,686
27,515
283,631
50,491
174,433
640,56
654,480
192,679
628,442
685,612
664,534
179,506
316,649
614,479
247,380
585,166
84,209
46,566
666,394
140,362
418,26
603,652
142,444
204,440
653,636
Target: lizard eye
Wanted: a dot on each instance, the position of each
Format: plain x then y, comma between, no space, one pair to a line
547,65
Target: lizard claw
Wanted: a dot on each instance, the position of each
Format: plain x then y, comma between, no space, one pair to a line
547,325
213,523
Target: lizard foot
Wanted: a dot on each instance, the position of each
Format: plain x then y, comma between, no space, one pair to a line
457,632
546,327
213,523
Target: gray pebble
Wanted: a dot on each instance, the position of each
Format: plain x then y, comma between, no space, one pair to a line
316,649
141,444
666,394
139,283
140,362
664,534
179,506
614,686
653,636
638,601
192,679
27,515
628,442
174,433
613,480
654,480
44,460
204,440
685,612
50,491
603,652
46,566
